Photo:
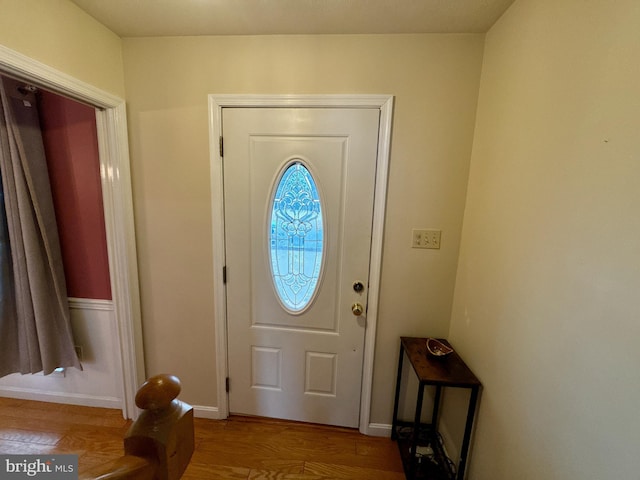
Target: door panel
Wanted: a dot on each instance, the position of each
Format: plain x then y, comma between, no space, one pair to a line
303,365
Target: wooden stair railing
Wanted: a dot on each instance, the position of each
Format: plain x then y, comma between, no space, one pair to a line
159,444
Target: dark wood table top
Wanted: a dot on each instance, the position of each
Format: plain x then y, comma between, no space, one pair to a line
448,371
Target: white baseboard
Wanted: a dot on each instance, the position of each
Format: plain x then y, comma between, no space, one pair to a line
378,430
201,411
61,397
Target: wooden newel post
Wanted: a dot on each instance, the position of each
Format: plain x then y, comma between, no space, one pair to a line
163,434
159,444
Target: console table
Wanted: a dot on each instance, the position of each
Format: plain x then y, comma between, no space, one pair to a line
417,438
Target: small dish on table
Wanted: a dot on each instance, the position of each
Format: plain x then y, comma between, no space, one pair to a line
437,348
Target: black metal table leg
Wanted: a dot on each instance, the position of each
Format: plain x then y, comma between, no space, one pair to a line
416,430
394,422
467,431
436,408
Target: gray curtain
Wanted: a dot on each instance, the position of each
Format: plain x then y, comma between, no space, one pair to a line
35,326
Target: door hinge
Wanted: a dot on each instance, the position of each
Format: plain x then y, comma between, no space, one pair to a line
224,274
226,384
221,147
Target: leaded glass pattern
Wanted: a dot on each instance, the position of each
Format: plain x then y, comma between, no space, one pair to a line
296,237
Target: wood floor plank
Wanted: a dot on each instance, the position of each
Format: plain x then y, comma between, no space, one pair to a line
267,475
248,457
28,436
88,460
336,471
10,402
382,449
357,461
205,428
204,471
44,414
56,425
284,444
11,447
83,437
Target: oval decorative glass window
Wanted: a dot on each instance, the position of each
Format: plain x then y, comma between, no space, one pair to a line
296,238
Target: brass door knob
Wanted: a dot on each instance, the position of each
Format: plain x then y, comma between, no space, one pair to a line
357,309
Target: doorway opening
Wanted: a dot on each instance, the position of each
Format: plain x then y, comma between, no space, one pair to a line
118,209
383,104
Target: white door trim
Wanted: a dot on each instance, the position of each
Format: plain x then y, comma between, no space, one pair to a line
216,104
118,208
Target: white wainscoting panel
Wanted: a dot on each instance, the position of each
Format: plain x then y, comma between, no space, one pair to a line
99,384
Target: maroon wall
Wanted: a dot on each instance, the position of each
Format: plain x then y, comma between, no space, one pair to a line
71,144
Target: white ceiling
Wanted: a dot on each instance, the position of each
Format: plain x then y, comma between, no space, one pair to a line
144,18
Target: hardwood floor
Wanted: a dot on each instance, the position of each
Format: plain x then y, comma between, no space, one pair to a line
237,448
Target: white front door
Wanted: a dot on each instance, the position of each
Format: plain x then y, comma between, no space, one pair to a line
298,205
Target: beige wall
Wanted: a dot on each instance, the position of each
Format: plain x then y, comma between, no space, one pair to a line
546,307
59,34
435,82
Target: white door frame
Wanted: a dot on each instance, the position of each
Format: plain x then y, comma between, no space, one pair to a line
115,175
216,103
